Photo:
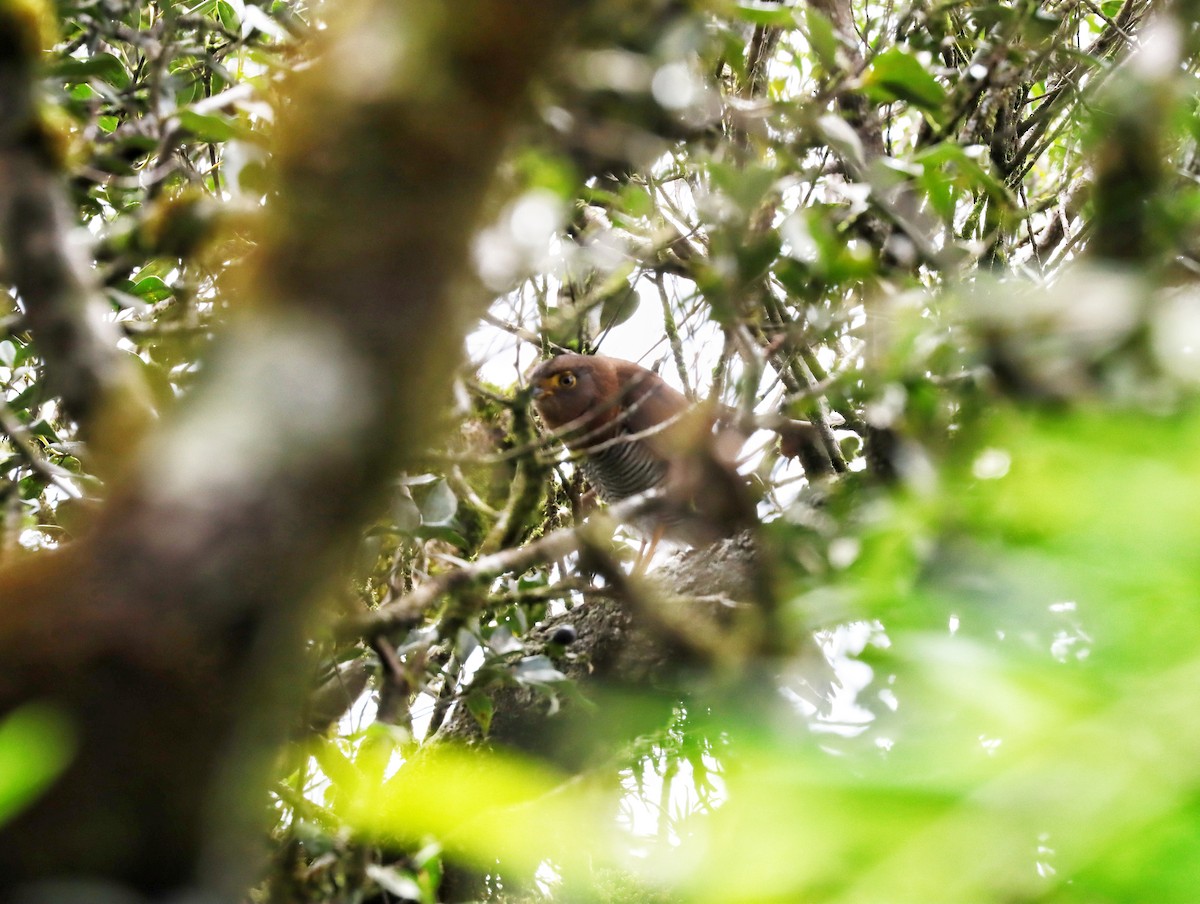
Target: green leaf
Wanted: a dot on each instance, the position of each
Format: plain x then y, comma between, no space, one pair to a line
439,505
746,186
537,670
756,254
253,178
619,306
940,190
822,38
395,882
441,532
483,806
898,75
841,138
36,744
152,289
551,172
481,708
103,66
230,20
771,15
207,127
45,430
405,512
635,201
954,156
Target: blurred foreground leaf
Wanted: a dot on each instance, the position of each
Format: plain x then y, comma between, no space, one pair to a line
35,746
485,808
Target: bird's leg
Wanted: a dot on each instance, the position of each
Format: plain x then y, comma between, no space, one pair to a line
646,553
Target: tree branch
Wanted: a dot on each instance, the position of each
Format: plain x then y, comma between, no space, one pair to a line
53,281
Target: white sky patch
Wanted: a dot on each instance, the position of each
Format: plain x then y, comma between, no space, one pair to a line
521,240
991,464
1175,334
676,87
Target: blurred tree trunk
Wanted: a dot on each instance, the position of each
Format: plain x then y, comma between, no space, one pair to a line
169,636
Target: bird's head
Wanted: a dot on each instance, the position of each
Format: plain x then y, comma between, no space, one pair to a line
569,387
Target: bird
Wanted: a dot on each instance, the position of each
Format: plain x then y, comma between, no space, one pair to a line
633,432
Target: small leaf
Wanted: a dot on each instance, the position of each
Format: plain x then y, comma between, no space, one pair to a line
635,201
746,186
550,172
898,75
133,146
394,882
255,18
152,289
441,532
619,307
956,160
502,642
43,428
537,670
481,708
822,38
228,13
756,254
405,512
252,178
439,505
842,138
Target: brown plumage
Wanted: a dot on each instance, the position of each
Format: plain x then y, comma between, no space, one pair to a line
634,433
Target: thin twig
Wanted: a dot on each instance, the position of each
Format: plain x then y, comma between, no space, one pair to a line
407,611
24,444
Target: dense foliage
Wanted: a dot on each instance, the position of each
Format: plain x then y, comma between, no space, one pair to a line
961,238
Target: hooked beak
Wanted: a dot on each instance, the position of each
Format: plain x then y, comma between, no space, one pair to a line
538,390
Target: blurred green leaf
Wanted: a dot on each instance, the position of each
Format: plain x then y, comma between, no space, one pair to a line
441,532
635,201
896,74
1109,501
537,670
228,13
209,127
36,745
438,505
553,173
484,807
152,289
772,15
480,705
822,38
747,187
619,306
950,163
395,882
405,512
102,65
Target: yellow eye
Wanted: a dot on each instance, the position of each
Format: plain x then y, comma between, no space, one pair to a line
566,379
